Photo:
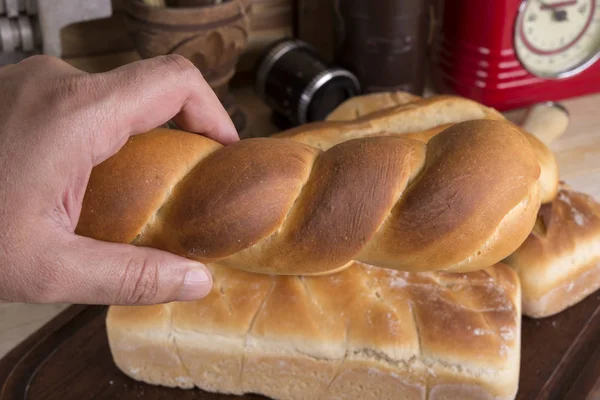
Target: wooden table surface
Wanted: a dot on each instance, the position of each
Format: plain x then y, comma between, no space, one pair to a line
577,152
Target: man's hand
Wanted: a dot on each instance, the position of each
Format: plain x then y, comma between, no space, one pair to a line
56,123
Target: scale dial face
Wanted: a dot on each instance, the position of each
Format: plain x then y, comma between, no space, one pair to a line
557,38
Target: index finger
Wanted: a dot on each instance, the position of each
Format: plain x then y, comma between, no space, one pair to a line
148,93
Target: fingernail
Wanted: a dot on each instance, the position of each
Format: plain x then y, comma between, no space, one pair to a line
196,285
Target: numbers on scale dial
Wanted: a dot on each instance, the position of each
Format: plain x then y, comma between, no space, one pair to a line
556,38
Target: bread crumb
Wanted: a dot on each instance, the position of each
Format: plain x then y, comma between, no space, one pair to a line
507,333
554,324
563,197
182,380
578,217
111,382
479,332
397,282
503,350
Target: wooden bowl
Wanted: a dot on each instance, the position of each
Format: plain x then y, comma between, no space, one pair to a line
212,37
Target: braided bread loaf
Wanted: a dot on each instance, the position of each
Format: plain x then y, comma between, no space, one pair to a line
460,201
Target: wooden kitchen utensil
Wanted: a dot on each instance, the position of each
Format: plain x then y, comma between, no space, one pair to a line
547,121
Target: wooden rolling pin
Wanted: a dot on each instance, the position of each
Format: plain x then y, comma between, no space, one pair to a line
547,121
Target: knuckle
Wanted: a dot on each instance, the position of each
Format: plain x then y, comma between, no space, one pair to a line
71,87
56,83
76,96
43,60
62,94
140,282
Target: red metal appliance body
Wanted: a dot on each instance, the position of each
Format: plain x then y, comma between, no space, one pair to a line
474,56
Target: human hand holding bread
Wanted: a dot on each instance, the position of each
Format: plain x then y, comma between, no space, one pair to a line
56,124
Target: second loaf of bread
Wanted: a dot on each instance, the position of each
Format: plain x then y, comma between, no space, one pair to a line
365,333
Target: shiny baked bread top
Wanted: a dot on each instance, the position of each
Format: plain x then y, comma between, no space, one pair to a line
463,201
401,113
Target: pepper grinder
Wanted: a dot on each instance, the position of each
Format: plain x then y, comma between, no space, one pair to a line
384,43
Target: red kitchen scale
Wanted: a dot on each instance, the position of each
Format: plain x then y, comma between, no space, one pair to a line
512,53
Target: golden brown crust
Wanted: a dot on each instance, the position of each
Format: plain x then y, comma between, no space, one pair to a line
421,119
134,185
365,332
559,263
331,217
232,199
462,200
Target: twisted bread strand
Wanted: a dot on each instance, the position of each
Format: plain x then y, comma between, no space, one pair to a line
400,113
462,201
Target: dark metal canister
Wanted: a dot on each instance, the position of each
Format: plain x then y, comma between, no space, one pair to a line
384,43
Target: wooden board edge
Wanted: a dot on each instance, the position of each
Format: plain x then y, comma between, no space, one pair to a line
55,327
586,386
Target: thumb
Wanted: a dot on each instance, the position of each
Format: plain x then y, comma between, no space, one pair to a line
96,272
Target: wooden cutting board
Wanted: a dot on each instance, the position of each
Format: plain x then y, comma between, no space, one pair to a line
69,359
